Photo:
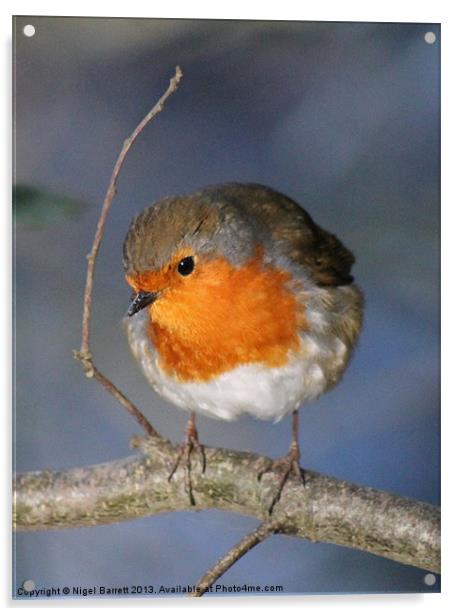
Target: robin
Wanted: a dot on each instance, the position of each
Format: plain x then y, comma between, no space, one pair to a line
241,304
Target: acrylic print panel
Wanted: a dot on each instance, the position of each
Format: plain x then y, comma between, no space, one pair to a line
343,118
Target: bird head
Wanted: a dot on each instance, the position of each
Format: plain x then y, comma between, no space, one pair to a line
180,257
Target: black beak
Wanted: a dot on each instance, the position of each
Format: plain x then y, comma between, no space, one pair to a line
140,301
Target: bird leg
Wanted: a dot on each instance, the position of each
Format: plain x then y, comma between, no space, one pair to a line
185,454
288,465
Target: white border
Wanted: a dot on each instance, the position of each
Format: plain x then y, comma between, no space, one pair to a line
352,10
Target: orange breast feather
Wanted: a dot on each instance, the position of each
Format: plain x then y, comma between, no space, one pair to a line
222,317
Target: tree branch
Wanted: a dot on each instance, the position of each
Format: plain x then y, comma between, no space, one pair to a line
262,532
84,354
326,509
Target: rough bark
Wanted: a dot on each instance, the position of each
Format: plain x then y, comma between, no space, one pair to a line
326,509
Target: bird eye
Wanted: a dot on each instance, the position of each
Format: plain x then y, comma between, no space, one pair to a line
186,266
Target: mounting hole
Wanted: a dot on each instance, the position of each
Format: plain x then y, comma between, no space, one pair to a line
430,38
29,585
29,30
430,579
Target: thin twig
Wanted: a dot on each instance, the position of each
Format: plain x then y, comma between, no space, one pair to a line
84,354
262,532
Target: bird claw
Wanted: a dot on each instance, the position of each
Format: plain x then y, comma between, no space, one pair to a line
185,455
284,467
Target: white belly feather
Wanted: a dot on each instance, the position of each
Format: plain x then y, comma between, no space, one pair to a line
265,393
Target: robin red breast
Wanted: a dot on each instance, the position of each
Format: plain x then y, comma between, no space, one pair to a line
242,304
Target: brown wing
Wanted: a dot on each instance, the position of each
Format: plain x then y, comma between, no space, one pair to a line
299,237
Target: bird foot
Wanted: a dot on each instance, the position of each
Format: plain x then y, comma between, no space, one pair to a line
284,468
184,456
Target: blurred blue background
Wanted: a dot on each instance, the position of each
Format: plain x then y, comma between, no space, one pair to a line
343,118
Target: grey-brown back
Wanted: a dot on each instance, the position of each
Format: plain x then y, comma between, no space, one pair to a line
293,230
